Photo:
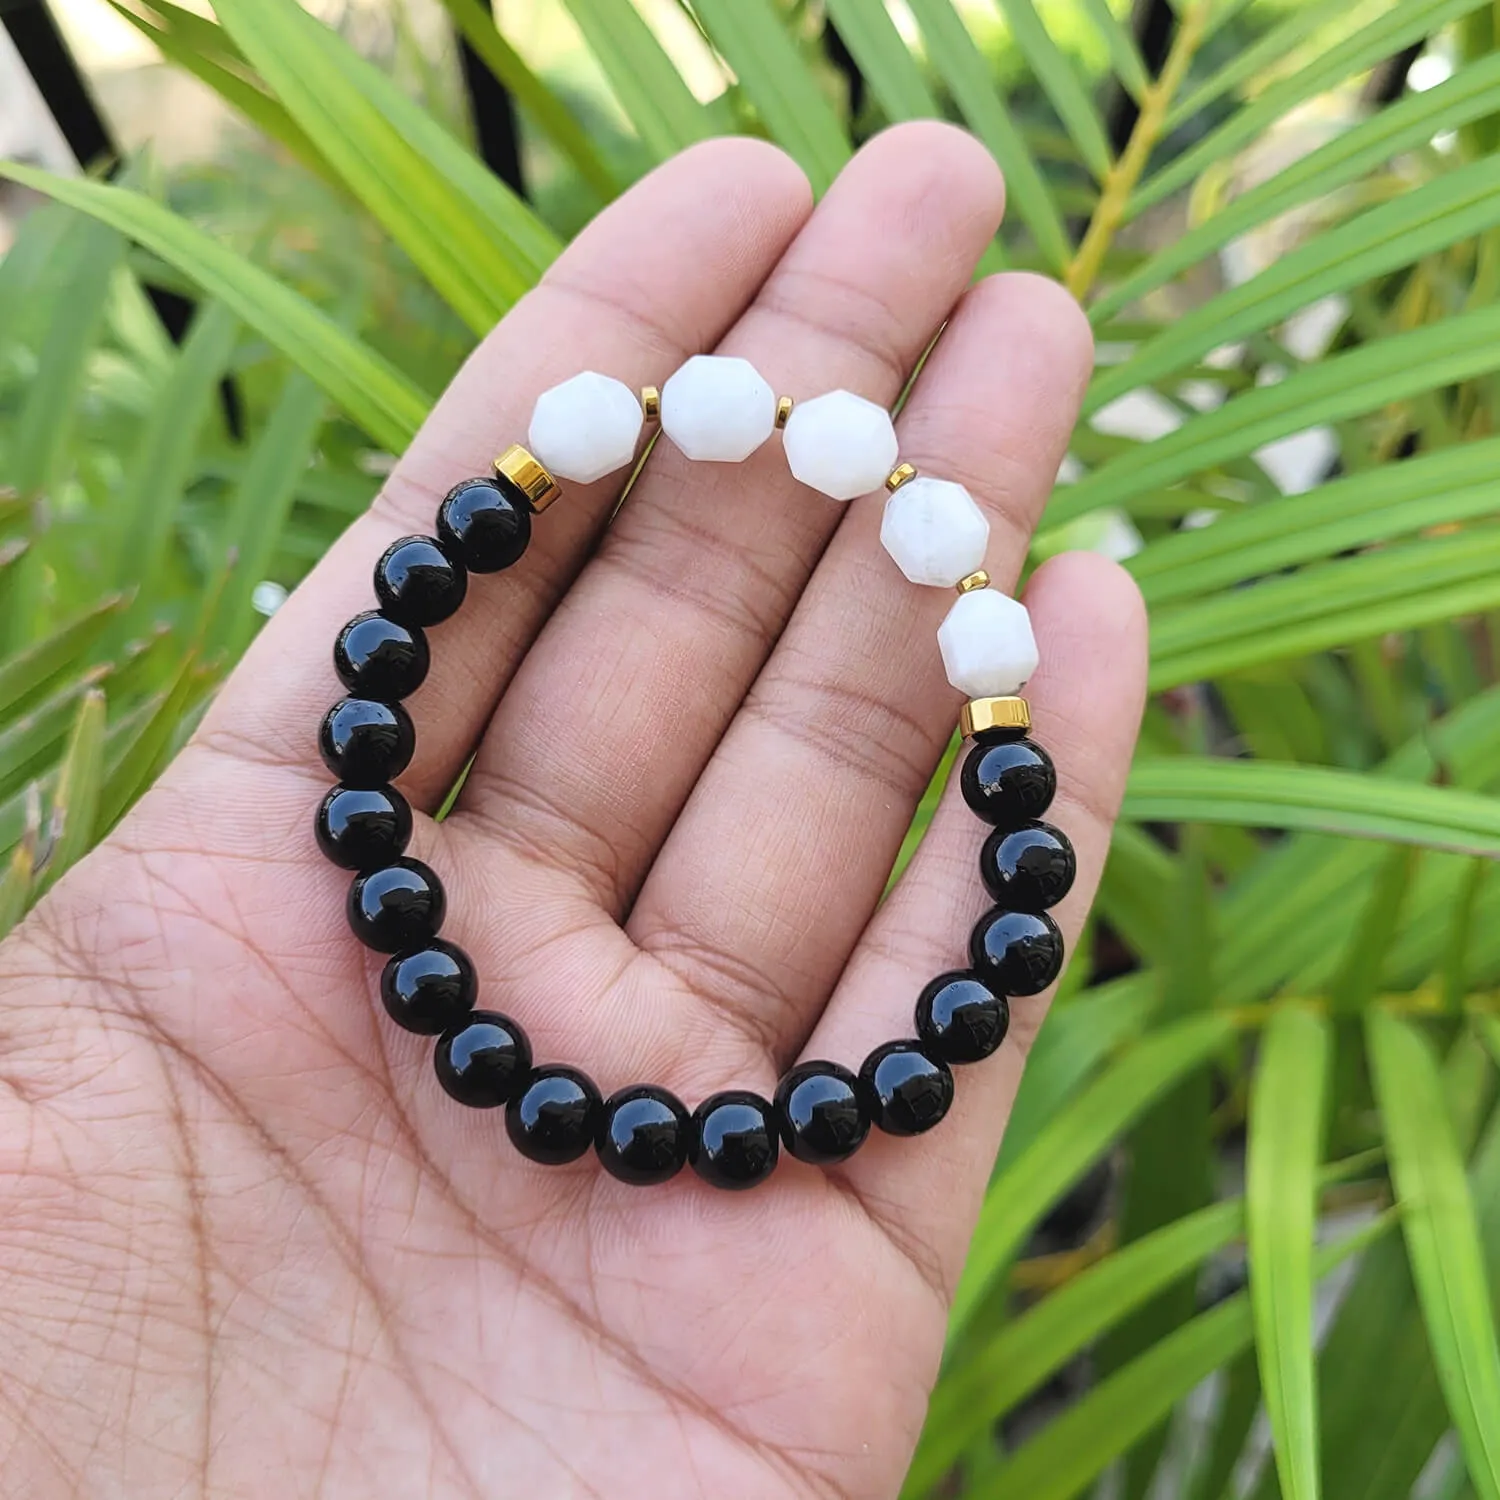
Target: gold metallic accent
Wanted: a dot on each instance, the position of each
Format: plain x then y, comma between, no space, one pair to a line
783,410
979,714
901,474
651,403
978,579
523,471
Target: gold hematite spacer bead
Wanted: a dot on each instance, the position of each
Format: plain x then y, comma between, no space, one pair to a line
901,474
528,476
783,410
979,714
651,403
978,579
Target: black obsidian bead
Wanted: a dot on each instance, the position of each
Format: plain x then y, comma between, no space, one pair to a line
399,907
555,1116
643,1137
485,523
362,828
1017,952
483,1061
430,990
417,582
1029,868
380,658
906,1091
365,743
819,1112
733,1143
960,1019
1008,782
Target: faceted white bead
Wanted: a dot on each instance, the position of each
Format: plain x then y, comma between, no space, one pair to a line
585,428
840,444
934,531
718,408
987,645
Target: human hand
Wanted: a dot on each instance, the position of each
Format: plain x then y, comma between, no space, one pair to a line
247,1246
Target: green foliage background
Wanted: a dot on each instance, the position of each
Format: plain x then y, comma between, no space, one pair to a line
1297,943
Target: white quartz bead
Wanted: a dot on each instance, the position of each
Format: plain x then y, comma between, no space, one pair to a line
840,444
987,645
934,531
585,428
718,408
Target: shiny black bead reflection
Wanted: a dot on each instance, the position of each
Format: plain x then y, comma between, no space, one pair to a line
733,1142
960,1019
430,990
1029,868
1008,782
417,582
485,523
1017,952
643,1137
555,1117
380,658
399,907
906,1091
484,1061
362,828
819,1112
365,743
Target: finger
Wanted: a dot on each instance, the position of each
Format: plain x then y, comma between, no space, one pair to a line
652,651
816,780
1086,703
626,298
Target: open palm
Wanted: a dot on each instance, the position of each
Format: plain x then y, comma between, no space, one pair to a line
248,1246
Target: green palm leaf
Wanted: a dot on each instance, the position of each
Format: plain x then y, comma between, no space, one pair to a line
1259,794
75,803
968,77
260,506
1081,1443
969,1399
373,392
1124,53
1058,77
41,661
1285,37
754,42
1406,22
533,96
1343,386
1453,207
648,87
1410,583
1436,490
884,59
480,247
1442,1239
1286,1124
1073,1139
159,468
199,47
15,886
1079,1037
1408,124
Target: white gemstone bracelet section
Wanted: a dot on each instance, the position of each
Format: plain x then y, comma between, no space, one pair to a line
719,409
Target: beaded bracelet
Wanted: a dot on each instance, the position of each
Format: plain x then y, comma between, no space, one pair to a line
717,409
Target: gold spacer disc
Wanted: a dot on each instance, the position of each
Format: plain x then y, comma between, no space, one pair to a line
978,579
783,410
528,476
651,403
979,714
901,474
